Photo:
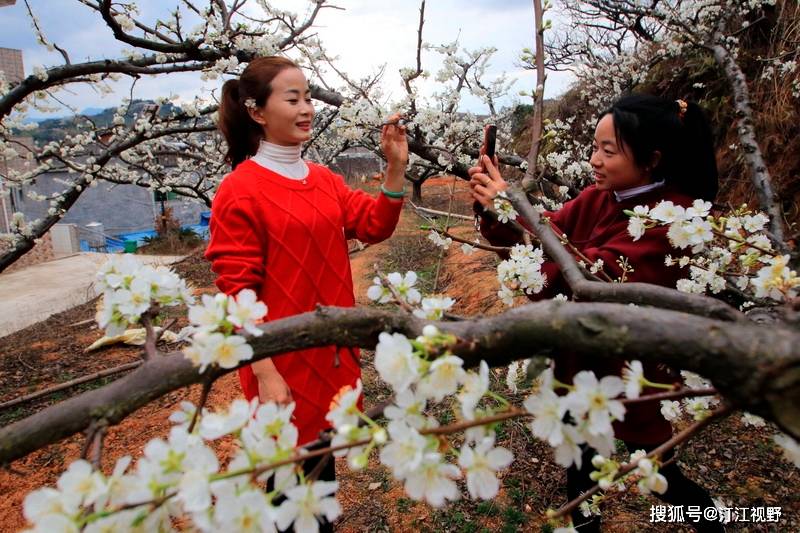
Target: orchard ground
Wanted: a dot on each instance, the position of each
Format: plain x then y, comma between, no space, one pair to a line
739,465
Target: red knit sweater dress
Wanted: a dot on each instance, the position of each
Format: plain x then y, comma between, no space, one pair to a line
287,240
595,223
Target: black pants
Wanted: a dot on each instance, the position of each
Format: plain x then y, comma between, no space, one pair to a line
324,465
680,490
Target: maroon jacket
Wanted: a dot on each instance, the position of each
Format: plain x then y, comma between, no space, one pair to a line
596,225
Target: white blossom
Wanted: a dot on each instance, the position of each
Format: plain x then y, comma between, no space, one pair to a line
666,211
438,240
215,425
444,376
753,420
548,410
344,407
594,399
671,410
305,503
633,377
505,211
651,480
474,386
216,348
395,361
433,481
405,451
245,310
434,307
636,227
790,447
481,464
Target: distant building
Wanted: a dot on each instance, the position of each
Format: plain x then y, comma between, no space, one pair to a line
11,64
356,162
12,69
119,208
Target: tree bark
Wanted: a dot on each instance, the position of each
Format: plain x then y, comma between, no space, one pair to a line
755,368
538,104
768,200
416,191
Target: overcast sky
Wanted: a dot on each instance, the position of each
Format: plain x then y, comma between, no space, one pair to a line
365,35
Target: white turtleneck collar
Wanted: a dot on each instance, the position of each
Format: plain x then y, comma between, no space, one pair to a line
283,160
636,191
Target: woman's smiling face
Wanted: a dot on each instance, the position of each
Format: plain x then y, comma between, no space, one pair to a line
614,168
288,113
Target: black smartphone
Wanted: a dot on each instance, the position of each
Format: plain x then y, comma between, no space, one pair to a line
490,140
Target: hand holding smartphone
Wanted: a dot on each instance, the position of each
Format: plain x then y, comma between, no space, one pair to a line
490,140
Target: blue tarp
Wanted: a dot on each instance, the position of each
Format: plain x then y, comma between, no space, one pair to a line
116,244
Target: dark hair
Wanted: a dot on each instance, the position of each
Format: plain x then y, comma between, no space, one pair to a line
242,133
679,131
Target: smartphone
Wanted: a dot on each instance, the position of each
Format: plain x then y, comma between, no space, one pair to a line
490,140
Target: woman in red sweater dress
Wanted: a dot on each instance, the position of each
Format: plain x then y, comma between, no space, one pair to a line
280,225
646,149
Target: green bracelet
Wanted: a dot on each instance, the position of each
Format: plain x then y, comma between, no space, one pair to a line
393,194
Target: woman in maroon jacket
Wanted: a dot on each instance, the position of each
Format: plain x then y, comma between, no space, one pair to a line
646,149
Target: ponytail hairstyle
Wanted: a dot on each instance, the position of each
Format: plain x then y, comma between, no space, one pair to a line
679,131
242,133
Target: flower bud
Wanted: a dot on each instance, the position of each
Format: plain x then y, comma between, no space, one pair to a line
430,331
379,436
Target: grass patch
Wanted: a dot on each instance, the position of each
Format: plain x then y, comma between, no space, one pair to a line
513,518
487,508
403,505
413,251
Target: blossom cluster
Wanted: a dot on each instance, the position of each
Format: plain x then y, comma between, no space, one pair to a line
130,289
181,478
697,407
215,321
591,405
184,474
726,250
521,273
403,287
414,456
437,239
502,205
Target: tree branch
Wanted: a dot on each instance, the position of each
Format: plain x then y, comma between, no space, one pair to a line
538,103
754,368
637,293
768,200
71,383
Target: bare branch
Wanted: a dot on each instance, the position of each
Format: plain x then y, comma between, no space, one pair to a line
672,395
187,47
438,213
538,93
71,383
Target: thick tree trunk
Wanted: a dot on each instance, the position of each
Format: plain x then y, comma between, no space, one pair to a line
416,191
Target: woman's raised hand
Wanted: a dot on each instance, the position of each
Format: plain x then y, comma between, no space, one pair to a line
394,143
486,181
